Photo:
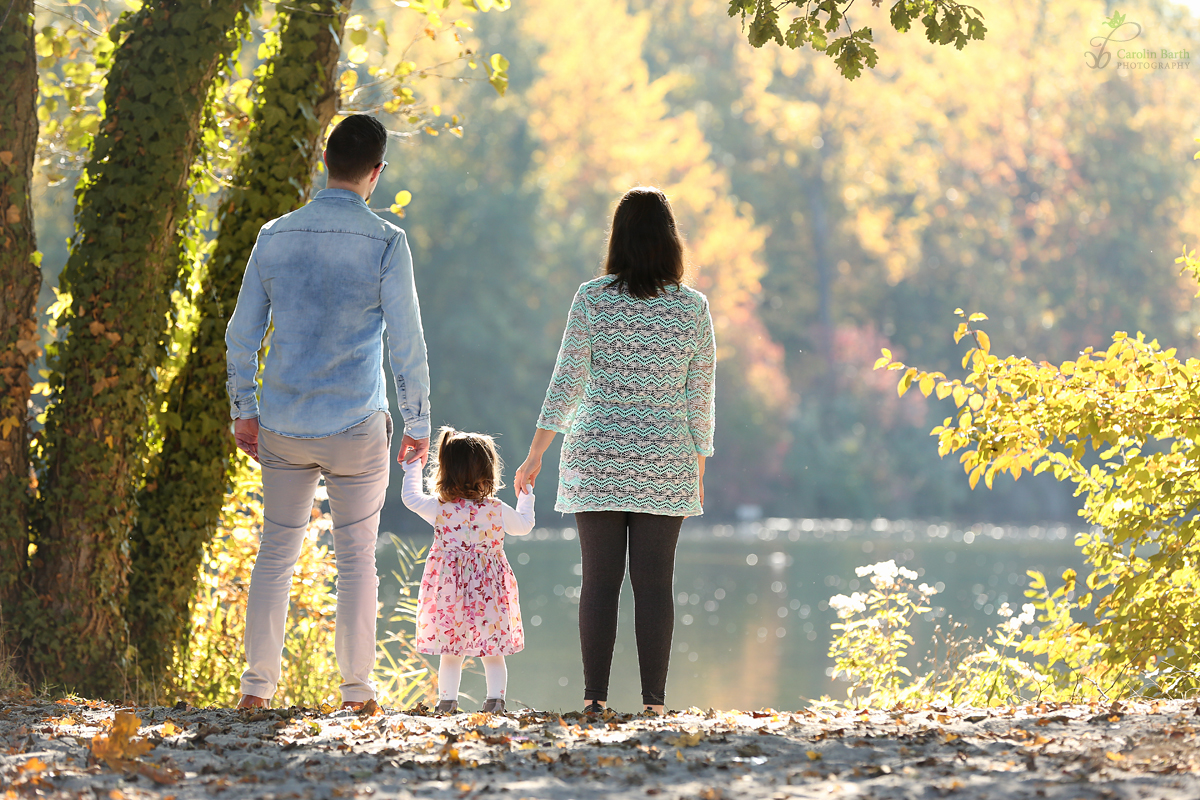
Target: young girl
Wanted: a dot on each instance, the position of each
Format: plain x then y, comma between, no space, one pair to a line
468,604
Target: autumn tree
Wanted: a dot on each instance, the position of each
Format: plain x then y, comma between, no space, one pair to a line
20,279
133,207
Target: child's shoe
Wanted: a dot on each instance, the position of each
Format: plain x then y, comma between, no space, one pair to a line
447,707
493,705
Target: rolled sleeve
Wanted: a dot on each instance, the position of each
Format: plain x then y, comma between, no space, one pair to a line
243,338
405,337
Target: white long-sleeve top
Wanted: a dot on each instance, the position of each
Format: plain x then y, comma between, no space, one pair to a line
517,521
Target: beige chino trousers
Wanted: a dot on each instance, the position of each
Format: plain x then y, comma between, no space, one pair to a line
355,465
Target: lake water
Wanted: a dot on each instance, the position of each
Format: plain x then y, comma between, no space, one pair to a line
751,617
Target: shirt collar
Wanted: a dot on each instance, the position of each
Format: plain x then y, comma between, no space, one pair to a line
340,194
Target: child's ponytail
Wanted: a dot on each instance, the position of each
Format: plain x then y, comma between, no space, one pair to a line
468,466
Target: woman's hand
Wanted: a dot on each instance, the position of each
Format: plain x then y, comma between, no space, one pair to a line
527,473
701,481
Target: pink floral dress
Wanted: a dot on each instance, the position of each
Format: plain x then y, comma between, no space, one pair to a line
468,603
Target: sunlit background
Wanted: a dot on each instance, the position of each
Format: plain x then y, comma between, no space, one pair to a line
825,219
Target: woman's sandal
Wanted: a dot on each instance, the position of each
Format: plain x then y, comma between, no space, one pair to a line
447,707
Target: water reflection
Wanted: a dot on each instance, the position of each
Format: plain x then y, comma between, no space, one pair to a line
752,618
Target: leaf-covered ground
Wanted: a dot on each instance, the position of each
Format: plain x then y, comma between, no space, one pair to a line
94,750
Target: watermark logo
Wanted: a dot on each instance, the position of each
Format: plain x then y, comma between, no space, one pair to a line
1120,32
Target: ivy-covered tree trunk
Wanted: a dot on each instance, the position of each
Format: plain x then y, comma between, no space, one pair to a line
20,279
186,487
131,205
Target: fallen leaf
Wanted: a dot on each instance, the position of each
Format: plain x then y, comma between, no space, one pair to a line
369,709
545,758
609,761
687,739
711,793
163,776
1111,756
33,766
169,728
119,745
813,755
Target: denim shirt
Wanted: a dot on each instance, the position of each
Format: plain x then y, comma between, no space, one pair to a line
330,277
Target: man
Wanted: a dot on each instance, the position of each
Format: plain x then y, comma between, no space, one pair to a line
329,278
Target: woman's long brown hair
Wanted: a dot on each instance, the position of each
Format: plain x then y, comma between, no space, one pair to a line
645,251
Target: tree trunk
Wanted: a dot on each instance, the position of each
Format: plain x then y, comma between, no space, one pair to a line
186,488
126,257
20,279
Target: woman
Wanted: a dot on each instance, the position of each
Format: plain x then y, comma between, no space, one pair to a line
632,392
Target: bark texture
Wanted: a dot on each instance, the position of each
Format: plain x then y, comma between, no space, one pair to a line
126,259
20,280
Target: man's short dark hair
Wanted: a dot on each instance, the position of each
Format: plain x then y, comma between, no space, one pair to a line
355,147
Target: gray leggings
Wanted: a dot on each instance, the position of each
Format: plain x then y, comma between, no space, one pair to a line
605,537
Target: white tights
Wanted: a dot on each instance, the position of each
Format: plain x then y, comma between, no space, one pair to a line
450,675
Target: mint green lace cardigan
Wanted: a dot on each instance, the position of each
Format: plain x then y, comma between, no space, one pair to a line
633,394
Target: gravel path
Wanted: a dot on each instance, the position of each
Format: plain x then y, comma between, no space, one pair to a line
94,750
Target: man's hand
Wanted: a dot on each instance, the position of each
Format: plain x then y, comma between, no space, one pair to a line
419,448
245,433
